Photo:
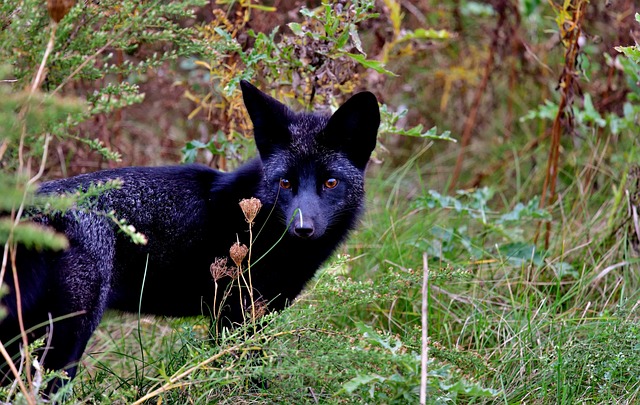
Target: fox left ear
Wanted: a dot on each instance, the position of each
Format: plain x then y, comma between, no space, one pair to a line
270,119
353,128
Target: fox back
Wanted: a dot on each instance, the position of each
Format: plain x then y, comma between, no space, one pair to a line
309,178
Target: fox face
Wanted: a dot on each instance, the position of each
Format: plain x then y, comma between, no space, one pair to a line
313,164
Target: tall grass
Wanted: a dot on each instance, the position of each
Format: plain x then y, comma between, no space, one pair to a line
537,326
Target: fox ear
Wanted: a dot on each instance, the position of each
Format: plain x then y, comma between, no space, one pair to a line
270,119
353,128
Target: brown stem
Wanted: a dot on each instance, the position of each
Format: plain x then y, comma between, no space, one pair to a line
566,84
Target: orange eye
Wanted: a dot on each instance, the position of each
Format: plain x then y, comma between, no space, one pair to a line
331,183
286,184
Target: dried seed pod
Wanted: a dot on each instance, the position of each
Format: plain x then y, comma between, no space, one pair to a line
260,309
250,207
238,252
59,8
219,268
233,272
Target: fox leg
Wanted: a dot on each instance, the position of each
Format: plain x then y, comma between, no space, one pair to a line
79,292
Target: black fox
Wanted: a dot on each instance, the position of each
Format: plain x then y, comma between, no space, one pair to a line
309,177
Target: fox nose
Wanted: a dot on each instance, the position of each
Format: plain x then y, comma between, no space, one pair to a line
303,231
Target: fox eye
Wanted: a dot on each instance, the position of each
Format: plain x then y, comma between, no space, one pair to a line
286,184
331,183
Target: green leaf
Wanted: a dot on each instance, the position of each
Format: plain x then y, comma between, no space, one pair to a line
32,235
417,132
11,196
389,343
521,211
590,114
362,380
564,269
435,199
548,111
471,389
98,146
355,38
422,33
520,254
343,39
476,9
370,64
390,119
296,28
307,12
632,52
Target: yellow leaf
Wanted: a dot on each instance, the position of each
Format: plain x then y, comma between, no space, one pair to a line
395,15
263,8
203,64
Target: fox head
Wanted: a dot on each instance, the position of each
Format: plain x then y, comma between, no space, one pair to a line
313,164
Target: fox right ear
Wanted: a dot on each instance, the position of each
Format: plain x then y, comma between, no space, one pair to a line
270,119
353,128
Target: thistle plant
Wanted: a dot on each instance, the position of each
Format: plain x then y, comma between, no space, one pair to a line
238,253
250,207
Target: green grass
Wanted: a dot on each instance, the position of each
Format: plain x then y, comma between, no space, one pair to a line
508,321
547,326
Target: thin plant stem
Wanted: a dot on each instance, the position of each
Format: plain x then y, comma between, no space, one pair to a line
567,84
144,279
241,276
40,75
273,207
15,372
425,334
253,306
215,300
281,236
9,247
23,334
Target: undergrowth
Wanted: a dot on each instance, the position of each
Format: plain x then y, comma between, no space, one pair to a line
530,228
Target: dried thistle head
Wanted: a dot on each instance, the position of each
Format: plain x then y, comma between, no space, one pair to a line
238,252
250,207
219,268
59,8
260,309
233,272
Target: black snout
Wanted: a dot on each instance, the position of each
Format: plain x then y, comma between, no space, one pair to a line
303,231
308,216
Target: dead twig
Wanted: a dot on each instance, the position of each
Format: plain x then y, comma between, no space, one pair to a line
571,32
425,333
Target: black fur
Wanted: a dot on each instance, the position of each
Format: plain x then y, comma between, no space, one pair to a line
190,215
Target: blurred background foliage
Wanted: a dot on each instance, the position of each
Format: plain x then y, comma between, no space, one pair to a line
529,221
